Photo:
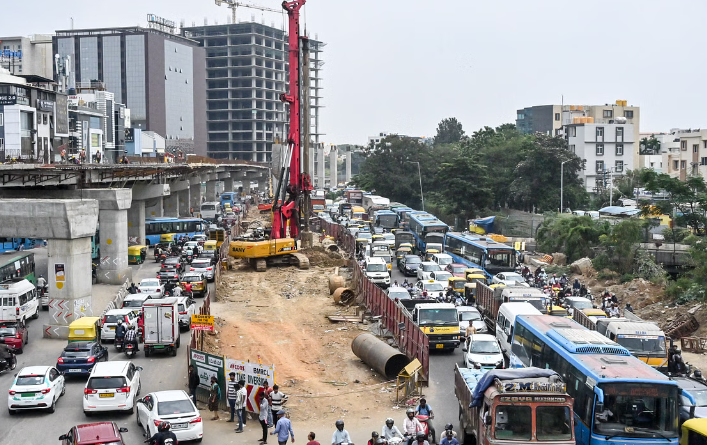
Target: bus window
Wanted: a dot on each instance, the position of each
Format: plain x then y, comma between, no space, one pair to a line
177,227
8,301
191,226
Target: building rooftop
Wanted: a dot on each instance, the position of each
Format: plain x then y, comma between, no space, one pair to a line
126,30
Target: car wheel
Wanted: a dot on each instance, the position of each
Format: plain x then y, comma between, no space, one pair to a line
12,411
139,388
63,389
132,408
53,407
137,418
88,413
36,314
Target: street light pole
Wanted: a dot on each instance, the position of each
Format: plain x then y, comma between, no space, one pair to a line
419,173
562,183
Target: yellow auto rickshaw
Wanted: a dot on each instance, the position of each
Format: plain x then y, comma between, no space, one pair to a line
168,237
137,254
210,245
401,252
375,238
470,292
557,311
693,432
473,271
476,278
85,329
457,285
429,253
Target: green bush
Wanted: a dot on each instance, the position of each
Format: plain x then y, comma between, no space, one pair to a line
676,235
601,262
606,274
558,270
625,278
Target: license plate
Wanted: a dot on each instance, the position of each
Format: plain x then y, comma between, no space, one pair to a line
158,347
439,346
105,395
28,394
179,426
74,370
112,328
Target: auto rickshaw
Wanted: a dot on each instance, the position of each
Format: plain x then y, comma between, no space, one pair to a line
470,292
210,245
457,285
557,311
137,254
473,271
409,245
476,278
362,245
85,329
693,431
401,252
168,238
375,238
429,253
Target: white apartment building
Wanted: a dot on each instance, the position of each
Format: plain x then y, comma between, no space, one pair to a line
684,152
605,147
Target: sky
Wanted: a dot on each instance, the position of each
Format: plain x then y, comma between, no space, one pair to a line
402,66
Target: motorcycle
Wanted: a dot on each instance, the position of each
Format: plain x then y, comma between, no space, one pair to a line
119,344
130,350
5,366
395,441
425,427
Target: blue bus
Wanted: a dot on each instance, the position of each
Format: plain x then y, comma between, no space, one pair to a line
13,244
228,197
401,212
387,219
428,231
480,252
156,227
618,399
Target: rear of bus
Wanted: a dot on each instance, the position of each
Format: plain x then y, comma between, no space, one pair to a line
645,340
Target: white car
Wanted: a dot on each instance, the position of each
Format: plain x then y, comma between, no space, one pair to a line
151,287
199,238
191,245
186,310
470,316
433,288
440,275
390,239
426,268
135,301
36,387
204,267
481,351
111,319
112,386
175,407
509,279
398,293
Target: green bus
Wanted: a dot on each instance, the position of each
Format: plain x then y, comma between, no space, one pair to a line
17,265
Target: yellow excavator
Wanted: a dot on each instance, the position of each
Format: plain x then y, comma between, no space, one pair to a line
261,252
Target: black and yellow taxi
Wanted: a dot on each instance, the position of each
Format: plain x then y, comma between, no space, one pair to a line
197,281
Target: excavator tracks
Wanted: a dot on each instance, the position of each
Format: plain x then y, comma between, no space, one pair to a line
301,260
296,259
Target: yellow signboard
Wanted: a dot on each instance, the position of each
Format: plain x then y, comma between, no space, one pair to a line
202,322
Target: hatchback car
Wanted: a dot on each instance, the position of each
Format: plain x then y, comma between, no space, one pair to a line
14,334
112,386
204,267
426,268
409,264
441,275
456,269
36,387
173,262
198,283
175,407
398,293
106,433
111,319
151,287
509,279
165,275
79,357
481,351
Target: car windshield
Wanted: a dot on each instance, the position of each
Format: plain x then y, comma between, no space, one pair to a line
113,318
149,283
412,260
484,347
389,236
434,287
435,316
581,304
364,235
553,423
469,316
458,269
106,382
642,343
8,331
29,380
174,407
80,353
377,268
191,279
430,267
132,303
513,278
700,396
443,261
400,295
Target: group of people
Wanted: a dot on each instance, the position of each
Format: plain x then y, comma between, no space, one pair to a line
128,334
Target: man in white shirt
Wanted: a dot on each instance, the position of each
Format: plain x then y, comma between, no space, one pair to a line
241,396
411,426
340,435
390,430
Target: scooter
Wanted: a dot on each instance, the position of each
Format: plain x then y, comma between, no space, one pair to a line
5,366
130,350
425,428
118,344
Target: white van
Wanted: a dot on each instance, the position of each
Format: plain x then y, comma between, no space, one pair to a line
18,300
209,210
112,386
376,270
442,259
506,319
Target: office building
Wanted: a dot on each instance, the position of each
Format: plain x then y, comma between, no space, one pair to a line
247,71
545,119
28,55
155,73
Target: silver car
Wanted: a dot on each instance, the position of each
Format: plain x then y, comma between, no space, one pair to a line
203,266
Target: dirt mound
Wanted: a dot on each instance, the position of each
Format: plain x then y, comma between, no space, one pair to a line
319,256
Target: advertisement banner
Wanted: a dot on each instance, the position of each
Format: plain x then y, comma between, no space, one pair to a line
257,377
207,366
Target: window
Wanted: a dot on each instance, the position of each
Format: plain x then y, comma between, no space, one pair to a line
619,149
683,145
600,133
619,166
573,131
557,131
683,164
2,122
695,148
552,423
515,416
557,116
600,166
704,143
521,116
600,149
703,161
619,134
628,114
572,148
608,114
675,165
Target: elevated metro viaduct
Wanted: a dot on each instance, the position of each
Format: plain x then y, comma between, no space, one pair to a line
65,204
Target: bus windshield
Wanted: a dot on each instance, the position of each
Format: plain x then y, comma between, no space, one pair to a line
390,221
637,344
637,410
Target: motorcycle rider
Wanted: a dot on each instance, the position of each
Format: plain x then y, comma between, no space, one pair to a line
42,283
450,427
6,356
411,426
576,286
340,435
131,338
564,281
391,431
374,438
119,332
449,439
420,439
426,410
163,436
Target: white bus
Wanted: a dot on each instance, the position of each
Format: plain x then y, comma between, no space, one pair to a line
18,301
210,210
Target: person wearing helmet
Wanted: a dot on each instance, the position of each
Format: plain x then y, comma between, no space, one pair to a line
450,427
390,430
381,441
374,438
163,436
425,409
420,439
697,375
564,280
340,435
119,333
449,438
131,337
411,425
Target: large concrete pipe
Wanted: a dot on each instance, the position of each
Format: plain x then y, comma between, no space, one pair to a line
379,355
343,295
335,282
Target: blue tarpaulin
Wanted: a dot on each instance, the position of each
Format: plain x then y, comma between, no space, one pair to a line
477,396
485,223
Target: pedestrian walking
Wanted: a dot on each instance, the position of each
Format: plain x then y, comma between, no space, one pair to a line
241,397
231,394
214,397
311,437
269,391
193,383
283,429
263,416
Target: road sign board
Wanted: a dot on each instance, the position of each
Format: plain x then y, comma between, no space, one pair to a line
202,322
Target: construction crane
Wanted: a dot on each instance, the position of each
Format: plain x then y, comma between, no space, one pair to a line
280,247
234,4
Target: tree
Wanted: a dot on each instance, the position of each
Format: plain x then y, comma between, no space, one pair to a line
621,244
449,131
649,146
686,199
575,236
461,186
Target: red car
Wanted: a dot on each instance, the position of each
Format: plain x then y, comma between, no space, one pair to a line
456,269
94,433
14,334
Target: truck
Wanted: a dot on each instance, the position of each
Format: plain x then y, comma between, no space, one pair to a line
355,197
505,406
644,339
373,202
161,331
490,298
439,321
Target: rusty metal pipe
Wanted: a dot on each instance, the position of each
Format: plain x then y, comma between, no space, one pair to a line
379,355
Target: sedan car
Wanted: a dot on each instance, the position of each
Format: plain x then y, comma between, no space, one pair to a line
167,275
456,269
409,264
94,433
209,255
481,351
470,317
14,334
509,279
175,407
426,268
204,267
79,358
36,387
152,287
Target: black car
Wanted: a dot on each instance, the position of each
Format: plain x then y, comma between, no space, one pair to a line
173,261
167,274
210,255
78,357
408,265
